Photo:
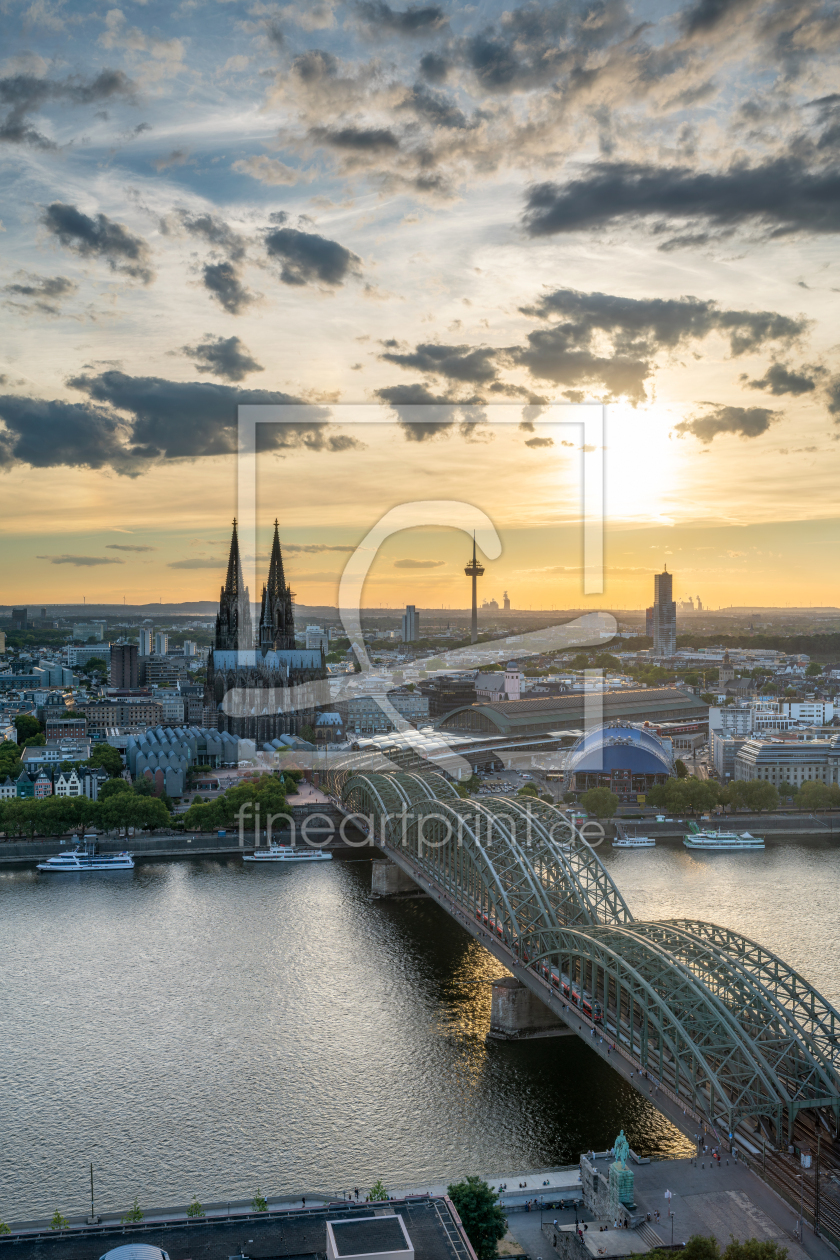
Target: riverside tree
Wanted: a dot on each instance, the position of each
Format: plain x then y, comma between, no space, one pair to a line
483,1219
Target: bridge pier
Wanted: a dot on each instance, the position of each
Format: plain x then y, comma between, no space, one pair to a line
517,1013
389,880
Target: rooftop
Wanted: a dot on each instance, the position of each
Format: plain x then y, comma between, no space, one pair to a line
368,1236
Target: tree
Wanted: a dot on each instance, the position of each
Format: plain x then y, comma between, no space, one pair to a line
757,794
697,1248
106,757
4,1229
127,809
482,1218
195,1209
133,1214
569,798
308,733
681,769
258,1202
815,795
754,1249
600,802
813,670
378,1192
114,787
58,1221
527,789
96,664
27,728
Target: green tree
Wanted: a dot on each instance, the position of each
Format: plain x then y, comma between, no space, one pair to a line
697,1248
754,1249
258,1202
133,1214
757,795
96,664
27,727
813,670
106,757
600,802
681,769
58,1221
4,1229
195,1209
527,789
377,1192
127,809
569,798
114,787
307,732
480,1213
816,795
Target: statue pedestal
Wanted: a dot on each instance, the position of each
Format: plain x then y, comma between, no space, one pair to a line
621,1187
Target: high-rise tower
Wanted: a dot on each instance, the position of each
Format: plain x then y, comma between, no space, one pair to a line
474,570
664,615
233,620
277,620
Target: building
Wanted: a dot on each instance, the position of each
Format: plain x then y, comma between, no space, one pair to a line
628,760
244,691
329,727
448,692
68,783
161,643
664,615
506,602
499,685
41,786
171,705
8,790
193,697
126,714
572,712
649,622
77,656
153,671
725,749
85,630
362,715
726,671
8,731
793,762
190,647
124,665
19,618
144,643
410,624
53,674
317,640
54,752
58,729
2,642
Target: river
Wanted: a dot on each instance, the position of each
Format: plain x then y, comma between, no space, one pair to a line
202,1027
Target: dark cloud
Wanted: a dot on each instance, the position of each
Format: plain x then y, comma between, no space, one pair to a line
456,363
26,92
779,195
48,434
745,422
434,107
312,549
127,547
223,281
307,257
99,238
833,393
408,563
315,65
357,139
424,415
81,562
415,20
45,292
780,379
434,67
194,562
539,441
215,232
707,15
571,352
226,357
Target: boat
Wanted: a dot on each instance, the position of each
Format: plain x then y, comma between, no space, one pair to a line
733,841
85,858
622,840
287,853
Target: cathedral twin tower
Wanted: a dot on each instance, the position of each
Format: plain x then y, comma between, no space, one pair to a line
248,681
277,622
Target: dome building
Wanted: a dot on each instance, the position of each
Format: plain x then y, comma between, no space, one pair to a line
629,760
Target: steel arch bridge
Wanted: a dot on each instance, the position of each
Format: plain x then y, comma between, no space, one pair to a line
727,1029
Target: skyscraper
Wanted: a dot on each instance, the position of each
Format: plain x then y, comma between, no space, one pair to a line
144,641
474,570
124,665
664,615
410,624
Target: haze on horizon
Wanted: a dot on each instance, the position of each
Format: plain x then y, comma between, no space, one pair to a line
490,205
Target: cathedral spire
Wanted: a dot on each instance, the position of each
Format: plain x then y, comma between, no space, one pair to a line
277,620
276,578
233,622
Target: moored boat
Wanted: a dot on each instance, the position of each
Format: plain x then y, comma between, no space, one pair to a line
287,853
732,841
85,858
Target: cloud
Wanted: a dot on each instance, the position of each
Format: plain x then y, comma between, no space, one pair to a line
706,15
456,363
99,238
356,139
780,379
424,415
435,108
268,171
745,422
81,562
225,356
215,232
45,292
779,195
195,563
417,19
312,549
177,157
418,564
307,257
223,282
49,434
24,92
127,547
539,441
571,352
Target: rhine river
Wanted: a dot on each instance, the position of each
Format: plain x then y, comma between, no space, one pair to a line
201,1027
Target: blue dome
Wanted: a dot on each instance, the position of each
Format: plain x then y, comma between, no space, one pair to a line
614,746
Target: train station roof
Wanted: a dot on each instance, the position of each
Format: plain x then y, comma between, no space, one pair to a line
553,713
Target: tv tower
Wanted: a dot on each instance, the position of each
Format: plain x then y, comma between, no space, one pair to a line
474,570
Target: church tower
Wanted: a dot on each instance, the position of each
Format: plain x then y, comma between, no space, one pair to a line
233,620
277,622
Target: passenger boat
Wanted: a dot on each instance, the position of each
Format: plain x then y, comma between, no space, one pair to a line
85,858
287,853
622,840
733,841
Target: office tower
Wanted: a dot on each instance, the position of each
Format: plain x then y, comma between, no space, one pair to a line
664,615
410,624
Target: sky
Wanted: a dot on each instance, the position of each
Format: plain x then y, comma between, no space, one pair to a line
488,211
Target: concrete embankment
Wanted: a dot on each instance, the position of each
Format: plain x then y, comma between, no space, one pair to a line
779,828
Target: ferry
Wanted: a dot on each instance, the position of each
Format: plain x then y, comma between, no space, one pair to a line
87,859
622,840
287,853
733,841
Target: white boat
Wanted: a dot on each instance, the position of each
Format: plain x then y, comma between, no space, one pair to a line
733,841
633,842
85,858
287,853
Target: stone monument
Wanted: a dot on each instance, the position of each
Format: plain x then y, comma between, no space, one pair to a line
621,1177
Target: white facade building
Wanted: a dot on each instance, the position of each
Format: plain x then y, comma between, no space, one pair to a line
317,639
144,643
